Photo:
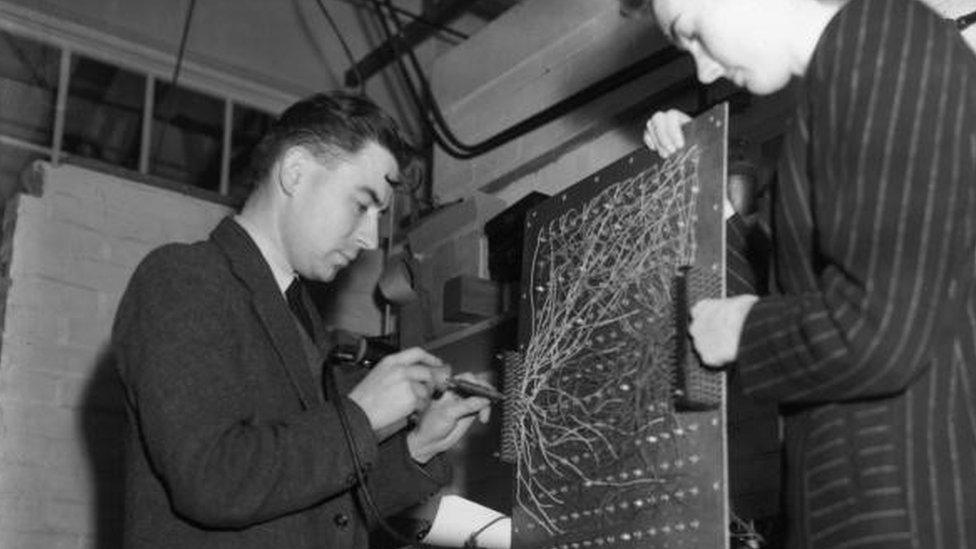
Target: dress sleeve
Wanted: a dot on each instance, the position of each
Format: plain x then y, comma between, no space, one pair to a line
890,112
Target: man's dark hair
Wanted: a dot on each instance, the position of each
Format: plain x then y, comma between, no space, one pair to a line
329,125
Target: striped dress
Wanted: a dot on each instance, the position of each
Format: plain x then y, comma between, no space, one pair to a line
869,341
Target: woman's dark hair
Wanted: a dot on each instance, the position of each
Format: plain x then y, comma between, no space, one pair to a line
329,125
636,8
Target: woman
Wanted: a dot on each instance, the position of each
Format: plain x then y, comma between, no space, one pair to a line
868,340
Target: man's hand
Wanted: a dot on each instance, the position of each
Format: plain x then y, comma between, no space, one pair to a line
444,422
716,326
397,386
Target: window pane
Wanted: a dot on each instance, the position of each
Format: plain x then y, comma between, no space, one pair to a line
186,136
249,125
28,88
104,115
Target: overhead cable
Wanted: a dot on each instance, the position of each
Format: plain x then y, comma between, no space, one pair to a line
345,46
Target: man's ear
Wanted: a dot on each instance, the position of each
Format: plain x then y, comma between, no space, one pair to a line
291,168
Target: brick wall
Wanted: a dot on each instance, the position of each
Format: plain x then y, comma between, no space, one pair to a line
66,256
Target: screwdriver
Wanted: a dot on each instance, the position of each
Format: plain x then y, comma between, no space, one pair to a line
466,388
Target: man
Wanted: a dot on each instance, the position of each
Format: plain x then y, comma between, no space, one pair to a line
869,341
231,441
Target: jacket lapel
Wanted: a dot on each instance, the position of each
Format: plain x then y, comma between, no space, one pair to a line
247,263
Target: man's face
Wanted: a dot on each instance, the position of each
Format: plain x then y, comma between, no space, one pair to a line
740,40
332,211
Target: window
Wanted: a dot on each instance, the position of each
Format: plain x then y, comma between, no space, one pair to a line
28,89
104,113
187,136
249,125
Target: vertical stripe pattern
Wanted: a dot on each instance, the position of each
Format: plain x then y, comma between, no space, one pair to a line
870,340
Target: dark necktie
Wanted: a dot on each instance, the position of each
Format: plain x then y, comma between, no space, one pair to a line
297,305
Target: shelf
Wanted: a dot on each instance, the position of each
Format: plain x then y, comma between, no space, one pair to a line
468,331
473,347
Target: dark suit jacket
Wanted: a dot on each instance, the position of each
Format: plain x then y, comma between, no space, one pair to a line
871,343
230,442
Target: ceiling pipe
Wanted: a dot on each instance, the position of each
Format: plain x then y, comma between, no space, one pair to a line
413,33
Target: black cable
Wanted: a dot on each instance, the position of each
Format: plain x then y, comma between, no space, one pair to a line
420,103
429,132
472,541
448,143
404,74
183,40
176,76
965,21
443,134
345,46
458,149
332,392
415,17
29,66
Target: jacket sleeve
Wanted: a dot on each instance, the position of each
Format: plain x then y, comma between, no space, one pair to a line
221,463
395,481
398,482
890,126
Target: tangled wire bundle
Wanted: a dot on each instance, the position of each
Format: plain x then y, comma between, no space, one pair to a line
596,376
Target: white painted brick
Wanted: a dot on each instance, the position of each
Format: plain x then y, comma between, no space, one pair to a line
48,355
33,244
61,262
38,540
42,453
26,450
21,513
67,485
66,516
38,419
35,324
30,386
48,516
71,253
108,303
96,390
125,251
45,294
97,217
91,330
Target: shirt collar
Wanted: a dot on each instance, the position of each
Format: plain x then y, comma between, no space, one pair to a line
272,256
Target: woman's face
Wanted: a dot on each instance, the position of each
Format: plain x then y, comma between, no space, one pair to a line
739,40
